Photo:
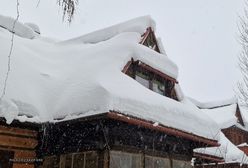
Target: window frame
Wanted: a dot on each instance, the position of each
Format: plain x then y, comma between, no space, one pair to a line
138,69
129,154
61,159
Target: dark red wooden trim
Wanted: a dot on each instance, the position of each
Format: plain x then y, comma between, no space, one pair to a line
124,70
145,35
208,157
168,130
149,68
163,75
239,116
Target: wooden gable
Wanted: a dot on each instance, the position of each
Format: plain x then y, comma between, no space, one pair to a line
239,116
149,40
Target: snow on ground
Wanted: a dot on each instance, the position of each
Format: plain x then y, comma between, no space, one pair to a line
76,78
227,150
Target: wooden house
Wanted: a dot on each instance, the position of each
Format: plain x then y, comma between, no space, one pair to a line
234,128
128,132
18,144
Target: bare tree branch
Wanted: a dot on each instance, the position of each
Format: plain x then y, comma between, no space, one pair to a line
10,52
68,7
243,58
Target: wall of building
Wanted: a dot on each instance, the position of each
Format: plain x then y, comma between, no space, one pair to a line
18,145
236,135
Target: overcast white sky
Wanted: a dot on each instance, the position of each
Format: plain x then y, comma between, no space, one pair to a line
200,36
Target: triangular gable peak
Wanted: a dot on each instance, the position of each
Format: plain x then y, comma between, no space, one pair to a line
148,76
239,116
149,39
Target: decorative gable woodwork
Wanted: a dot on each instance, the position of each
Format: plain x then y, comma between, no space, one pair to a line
239,116
18,145
149,40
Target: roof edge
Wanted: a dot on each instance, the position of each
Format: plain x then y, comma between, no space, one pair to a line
162,128
208,157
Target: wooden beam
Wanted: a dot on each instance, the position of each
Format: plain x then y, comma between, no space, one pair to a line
208,157
18,131
168,130
151,69
124,70
10,141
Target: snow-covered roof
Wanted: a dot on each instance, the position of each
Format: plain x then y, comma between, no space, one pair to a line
138,25
223,116
17,27
72,79
214,104
227,150
223,112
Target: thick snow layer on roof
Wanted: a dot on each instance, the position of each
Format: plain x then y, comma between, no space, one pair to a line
19,28
138,25
227,150
50,80
223,116
34,27
214,104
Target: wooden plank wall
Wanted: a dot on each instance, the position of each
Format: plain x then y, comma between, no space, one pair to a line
21,141
236,135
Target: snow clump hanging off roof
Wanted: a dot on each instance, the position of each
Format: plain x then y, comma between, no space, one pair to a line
19,28
33,26
51,80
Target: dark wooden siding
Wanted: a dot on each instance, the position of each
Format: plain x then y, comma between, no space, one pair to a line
236,135
20,144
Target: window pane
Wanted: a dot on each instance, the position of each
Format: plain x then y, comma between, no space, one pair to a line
161,163
136,161
51,162
124,160
142,81
78,160
181,164
115,160
91,160
158,87
149,162
156,162
66,161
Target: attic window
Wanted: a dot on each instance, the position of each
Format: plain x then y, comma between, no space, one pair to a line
142,79
158,87
149,40
152,80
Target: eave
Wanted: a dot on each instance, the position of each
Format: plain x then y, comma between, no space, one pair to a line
148,68
162,128
210,158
